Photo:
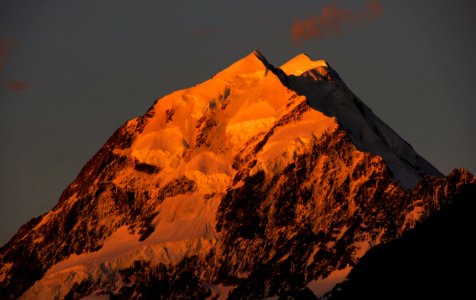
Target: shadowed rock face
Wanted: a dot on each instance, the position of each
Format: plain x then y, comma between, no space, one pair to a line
259,182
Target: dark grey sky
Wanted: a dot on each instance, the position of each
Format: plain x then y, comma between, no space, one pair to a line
71,72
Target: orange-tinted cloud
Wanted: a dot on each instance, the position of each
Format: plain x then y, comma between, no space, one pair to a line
333,21
17,85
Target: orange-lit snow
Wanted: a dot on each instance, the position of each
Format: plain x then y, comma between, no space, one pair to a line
220,291
300,64
293,135
322,286
4,270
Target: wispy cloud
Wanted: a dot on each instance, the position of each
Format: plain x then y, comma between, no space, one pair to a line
17,85
334,20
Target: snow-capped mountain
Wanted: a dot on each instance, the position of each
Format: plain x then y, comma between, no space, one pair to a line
259,182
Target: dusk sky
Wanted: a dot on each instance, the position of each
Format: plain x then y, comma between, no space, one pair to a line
71,72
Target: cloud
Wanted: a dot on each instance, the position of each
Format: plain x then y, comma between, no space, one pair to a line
17,85
333,20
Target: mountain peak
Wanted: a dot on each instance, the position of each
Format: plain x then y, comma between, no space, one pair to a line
254,65
302,63
259,55
251,170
